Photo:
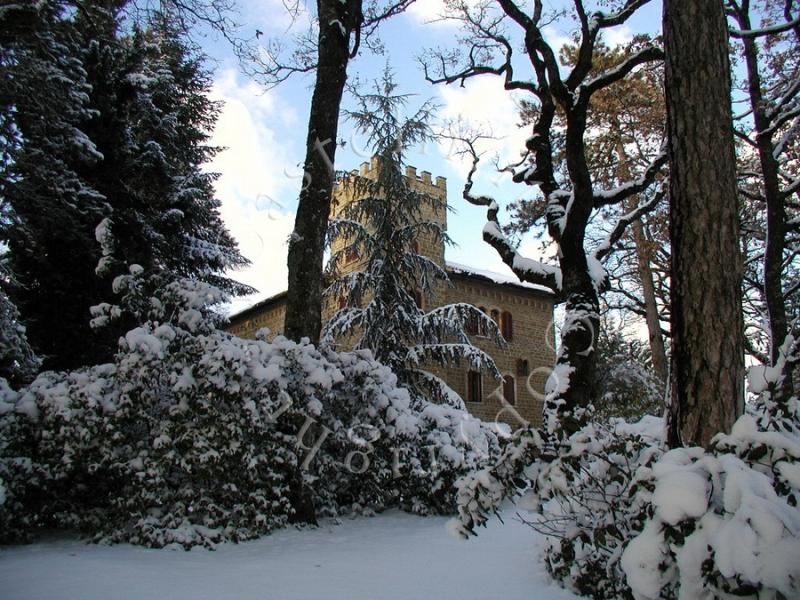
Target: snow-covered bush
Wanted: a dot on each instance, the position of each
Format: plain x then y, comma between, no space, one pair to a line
587,491
725,522
627,518
194,436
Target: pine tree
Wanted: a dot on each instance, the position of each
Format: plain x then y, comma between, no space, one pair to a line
18,362
48,211
164,214
382,223
145,200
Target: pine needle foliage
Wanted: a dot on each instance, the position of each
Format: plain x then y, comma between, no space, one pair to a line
379,303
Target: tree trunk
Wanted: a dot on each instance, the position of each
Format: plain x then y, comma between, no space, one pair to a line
655,337
707,357
577,356
776,215
307,241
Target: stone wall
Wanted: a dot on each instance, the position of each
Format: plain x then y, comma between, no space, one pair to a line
532,314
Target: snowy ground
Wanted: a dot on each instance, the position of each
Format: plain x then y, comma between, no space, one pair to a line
392,556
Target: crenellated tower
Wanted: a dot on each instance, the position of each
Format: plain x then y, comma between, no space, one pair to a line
344,193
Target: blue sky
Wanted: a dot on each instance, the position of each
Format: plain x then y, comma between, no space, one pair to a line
264,133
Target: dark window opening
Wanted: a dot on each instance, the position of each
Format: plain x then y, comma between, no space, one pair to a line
509,390
474,386
507,326
522,367
481,325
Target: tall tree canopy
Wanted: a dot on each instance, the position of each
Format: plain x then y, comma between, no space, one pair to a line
103,168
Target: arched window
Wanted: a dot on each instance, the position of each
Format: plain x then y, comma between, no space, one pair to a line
342,302
495,314
474,386
507,326
522,367
509,389
414,247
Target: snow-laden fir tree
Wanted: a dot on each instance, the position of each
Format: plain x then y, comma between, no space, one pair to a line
380,302
48,211
18,362
106,170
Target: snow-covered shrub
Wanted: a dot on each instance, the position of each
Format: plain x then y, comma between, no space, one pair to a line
194,436
626,518
725,522
588,491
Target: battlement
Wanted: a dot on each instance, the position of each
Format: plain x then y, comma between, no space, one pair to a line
370,171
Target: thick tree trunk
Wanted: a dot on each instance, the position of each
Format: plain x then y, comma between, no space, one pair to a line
776,215
307,242
707,357
570,386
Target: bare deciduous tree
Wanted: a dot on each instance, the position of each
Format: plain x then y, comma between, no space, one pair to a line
571,200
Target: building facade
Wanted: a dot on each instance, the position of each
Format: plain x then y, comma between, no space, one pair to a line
523,312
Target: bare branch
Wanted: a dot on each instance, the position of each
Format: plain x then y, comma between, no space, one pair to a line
608,197
622,224
525,269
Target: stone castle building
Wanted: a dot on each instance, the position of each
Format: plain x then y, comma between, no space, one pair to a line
523,312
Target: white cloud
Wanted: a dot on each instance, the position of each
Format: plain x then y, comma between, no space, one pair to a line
431,11
262,238
484,104
617,36
256,184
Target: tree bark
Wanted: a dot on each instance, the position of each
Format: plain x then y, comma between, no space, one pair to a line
775,212
707,357
307,241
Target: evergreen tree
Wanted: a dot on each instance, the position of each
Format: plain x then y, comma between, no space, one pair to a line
156,119
146,120
18,362
48,211
382,223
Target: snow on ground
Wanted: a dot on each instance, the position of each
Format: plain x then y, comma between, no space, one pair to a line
391,556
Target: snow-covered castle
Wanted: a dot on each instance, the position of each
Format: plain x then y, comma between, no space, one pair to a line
523,312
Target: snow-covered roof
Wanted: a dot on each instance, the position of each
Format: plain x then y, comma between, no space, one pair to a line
260,304
495,277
